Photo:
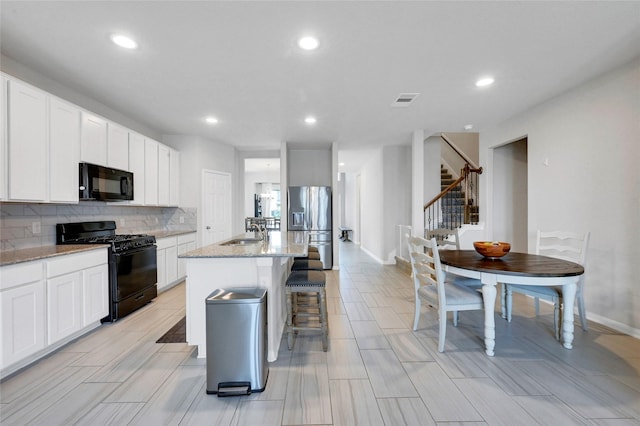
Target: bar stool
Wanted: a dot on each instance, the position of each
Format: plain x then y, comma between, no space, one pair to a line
306,265
312,249
306,282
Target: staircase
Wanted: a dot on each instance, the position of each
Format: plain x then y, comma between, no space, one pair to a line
453,203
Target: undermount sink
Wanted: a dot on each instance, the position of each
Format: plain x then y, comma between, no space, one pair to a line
241,242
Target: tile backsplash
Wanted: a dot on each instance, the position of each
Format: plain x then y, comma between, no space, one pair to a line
24,225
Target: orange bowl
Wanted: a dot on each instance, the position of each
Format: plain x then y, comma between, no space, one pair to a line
492,248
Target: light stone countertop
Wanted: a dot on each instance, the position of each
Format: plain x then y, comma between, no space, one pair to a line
11,257
280,244
165,234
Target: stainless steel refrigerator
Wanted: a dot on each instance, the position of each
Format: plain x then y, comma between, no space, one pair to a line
310,211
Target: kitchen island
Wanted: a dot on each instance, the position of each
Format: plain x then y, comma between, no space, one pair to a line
243,263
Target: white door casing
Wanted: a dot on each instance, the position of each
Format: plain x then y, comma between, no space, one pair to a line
216,207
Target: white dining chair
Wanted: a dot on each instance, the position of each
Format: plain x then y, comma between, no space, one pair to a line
449,239
562,245
431,286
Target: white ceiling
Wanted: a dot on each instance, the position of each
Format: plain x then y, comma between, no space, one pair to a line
239,61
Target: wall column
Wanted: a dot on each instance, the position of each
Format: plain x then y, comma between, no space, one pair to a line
417,182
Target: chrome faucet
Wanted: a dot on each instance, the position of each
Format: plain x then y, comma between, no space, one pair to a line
261,230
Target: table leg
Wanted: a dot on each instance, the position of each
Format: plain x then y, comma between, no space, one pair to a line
489,298
568,300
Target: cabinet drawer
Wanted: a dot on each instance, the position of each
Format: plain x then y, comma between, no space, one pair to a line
187,238
75,262
22,273
163,243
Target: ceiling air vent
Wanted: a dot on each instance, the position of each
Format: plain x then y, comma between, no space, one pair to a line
404,99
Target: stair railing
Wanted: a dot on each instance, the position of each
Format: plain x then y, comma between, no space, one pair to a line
446,210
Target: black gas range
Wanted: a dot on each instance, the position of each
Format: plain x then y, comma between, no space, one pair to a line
132,263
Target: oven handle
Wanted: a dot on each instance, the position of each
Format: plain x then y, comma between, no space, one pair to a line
138,250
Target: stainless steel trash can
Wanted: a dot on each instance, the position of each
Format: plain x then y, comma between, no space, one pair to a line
236,320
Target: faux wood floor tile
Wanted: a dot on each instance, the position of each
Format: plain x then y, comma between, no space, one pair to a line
210,410
368,335
405,411
111,414
307,397
483,394
353,403
109,350
28,406
339,327
148,379
387,376
357,311
386,317
33,377
548,410
586,400
250,413
344,360
443,398
74,405
406,346
128,363
173,398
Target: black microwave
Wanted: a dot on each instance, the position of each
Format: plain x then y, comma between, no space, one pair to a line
104,183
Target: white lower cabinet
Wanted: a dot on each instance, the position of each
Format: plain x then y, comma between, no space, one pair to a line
22,302
63,306
186,243
46,303
95,294
171,270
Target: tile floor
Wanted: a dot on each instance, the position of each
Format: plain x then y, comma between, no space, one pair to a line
376,371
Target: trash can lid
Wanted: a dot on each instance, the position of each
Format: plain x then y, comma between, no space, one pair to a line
237,295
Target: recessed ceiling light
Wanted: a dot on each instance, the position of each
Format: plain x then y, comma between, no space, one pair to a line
124,41
468,126
310,120
211,120
485,81
308,43
340,164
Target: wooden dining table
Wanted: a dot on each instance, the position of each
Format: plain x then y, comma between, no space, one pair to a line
516,268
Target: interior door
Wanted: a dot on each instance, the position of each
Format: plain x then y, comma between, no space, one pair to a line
216,207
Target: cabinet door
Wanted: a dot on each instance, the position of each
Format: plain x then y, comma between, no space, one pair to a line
161,255
117,147
23,322
93,139
136,166
164,163
95,294
27,142
64,150
63,306
3,138
172,264
150,172
174,178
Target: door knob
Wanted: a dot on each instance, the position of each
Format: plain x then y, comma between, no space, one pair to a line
208,227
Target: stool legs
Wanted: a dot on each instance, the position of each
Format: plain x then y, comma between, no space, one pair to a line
292,315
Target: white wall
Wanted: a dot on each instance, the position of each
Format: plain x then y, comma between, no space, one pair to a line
583,174
385,200
309,167
510,195
197,154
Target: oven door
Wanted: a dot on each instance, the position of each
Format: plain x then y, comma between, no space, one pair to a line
136,270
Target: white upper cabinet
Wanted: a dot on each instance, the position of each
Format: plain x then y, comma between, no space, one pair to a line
174,178
94,139
64,149
150,172
27,142
117,147
3,138
136,166
164,164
